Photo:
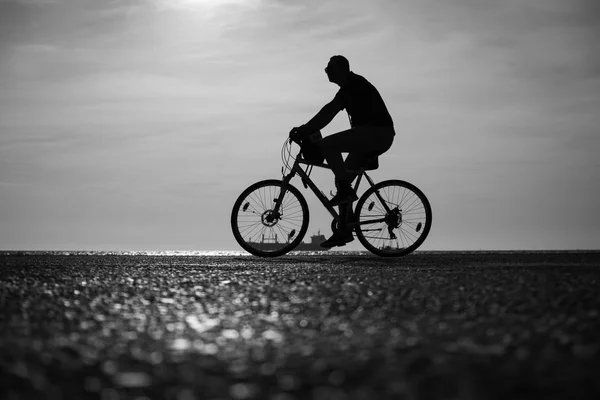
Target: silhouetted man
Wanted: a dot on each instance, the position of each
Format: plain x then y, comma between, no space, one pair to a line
371,132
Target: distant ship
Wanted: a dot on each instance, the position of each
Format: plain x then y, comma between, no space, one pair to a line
273,244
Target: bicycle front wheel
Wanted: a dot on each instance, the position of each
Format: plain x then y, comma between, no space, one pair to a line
266,224
394,218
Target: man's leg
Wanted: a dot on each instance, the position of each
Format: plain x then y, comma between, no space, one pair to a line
363,139
351,164
334,159
332,147
354,141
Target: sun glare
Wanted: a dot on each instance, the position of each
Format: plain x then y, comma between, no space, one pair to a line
197,4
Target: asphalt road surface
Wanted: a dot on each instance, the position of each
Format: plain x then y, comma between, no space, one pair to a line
427,326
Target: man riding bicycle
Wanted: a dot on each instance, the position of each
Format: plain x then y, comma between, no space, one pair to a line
371,133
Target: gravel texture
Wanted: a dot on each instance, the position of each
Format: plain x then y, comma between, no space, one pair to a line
427,326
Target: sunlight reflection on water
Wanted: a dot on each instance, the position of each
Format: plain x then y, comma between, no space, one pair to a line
174,253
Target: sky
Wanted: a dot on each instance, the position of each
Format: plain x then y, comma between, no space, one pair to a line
135,124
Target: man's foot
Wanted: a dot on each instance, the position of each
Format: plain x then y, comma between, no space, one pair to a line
339,238
344,195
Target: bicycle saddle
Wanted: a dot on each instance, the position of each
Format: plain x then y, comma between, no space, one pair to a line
370,161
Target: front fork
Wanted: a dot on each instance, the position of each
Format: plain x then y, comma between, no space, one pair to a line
279,199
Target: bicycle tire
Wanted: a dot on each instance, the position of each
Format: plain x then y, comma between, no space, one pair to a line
413,223
253,214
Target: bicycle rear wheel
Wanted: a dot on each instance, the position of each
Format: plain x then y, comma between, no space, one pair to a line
263,231
398,227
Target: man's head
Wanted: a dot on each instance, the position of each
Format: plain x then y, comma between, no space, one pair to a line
338,69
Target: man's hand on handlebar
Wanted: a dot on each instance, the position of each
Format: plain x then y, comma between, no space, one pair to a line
299,133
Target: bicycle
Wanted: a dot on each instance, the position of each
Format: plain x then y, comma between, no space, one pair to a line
270,218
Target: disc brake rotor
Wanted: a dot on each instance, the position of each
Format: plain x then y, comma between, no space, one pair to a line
270,218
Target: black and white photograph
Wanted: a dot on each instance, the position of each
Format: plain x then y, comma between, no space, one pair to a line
299,199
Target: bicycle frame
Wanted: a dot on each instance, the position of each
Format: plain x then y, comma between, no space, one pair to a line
297,169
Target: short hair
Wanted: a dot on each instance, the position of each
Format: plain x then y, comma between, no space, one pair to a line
341,62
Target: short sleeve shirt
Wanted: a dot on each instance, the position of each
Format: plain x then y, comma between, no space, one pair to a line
363,103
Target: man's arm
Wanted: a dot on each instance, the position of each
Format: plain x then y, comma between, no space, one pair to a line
325,116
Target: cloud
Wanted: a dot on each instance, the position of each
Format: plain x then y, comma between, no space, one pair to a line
128,106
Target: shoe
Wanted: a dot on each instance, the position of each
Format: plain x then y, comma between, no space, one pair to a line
339,238
344,195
